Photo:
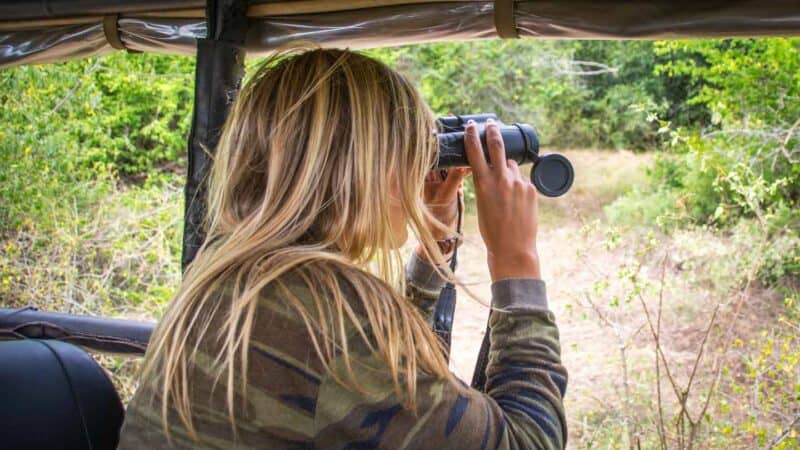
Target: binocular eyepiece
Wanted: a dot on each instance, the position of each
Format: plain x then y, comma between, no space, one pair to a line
552,174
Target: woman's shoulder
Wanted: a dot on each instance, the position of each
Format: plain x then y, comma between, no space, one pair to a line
316,295
328,280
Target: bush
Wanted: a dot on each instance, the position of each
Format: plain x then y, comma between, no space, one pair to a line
657,207
90,209
746,164
750,157
577,94
120,113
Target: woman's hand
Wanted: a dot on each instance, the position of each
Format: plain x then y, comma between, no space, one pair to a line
441,196
507,207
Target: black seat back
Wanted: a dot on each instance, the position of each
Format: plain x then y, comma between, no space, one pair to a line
54,395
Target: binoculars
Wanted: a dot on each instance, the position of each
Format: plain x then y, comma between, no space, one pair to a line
552,174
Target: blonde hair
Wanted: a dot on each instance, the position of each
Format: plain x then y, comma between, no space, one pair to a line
305,165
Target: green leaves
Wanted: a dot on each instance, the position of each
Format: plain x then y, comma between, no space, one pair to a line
550,84
743,163
126,113
734,75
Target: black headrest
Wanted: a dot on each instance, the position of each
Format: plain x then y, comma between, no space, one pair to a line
54,395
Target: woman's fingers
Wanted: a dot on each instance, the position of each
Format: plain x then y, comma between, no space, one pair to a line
513,169
474,151
445,190
497,150
446,179
454,179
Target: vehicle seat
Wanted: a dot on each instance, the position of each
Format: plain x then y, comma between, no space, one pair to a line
54,395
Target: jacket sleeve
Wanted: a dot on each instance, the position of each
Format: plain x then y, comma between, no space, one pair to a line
423,284
522,407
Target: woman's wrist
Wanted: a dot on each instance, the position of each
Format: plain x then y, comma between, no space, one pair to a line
514,265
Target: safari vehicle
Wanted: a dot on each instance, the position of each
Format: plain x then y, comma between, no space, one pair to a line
54,394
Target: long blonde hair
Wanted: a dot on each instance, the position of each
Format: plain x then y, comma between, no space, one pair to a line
305,165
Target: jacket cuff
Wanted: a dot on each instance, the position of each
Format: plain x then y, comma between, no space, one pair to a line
519,294
422,275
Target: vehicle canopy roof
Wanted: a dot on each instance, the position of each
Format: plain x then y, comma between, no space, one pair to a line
41,31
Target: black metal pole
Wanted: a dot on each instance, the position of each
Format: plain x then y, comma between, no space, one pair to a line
218,73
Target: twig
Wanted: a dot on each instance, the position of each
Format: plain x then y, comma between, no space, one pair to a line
789,135
77,86
600,68
785,433
662,432
701,350
623,347
659,349
564,67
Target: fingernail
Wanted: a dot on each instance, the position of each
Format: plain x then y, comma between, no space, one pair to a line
470,122
489,120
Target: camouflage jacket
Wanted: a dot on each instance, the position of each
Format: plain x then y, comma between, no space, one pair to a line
292,403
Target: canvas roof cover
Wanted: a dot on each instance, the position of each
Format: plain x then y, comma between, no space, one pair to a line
39,31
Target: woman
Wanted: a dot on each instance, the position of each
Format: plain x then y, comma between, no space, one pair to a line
294,327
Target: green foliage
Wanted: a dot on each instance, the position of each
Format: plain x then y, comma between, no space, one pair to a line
71,129
143,111
617,104
578,94
120,113
732,76
746,163
520,81
635,63
645,207
73,236
763,388
751,157
117,255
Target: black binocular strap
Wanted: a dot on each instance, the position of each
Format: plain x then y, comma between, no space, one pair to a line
479,375
446,304
443,318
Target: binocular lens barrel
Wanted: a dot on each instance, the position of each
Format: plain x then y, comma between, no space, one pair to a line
521,143
552,174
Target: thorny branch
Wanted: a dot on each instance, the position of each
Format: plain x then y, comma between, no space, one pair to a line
785,433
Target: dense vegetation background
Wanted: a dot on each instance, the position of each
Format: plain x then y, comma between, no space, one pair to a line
92,152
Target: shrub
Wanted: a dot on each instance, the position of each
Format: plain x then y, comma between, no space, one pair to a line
746,164
120,113
577,94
